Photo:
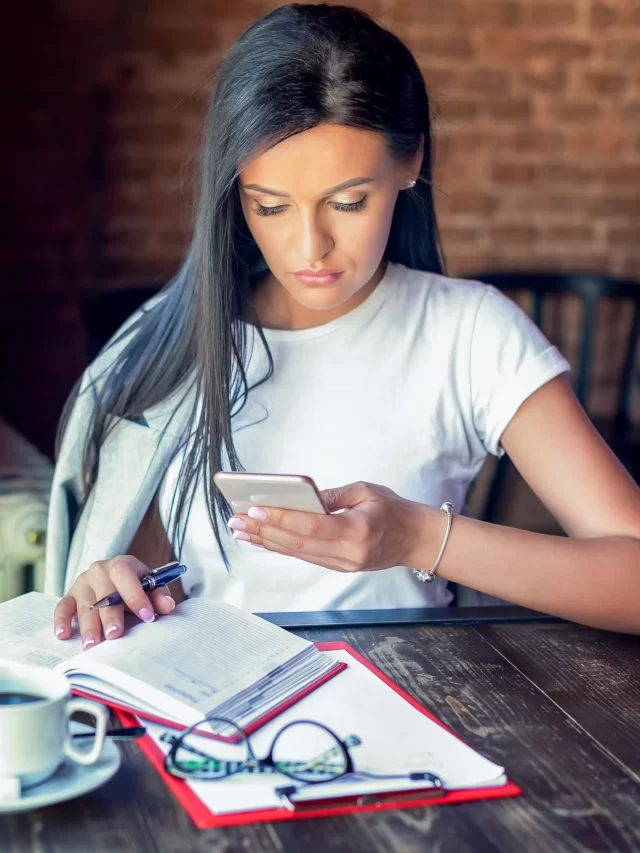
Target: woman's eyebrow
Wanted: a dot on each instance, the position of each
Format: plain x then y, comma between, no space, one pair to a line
353,182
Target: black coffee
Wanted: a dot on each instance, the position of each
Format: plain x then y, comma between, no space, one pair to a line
13,698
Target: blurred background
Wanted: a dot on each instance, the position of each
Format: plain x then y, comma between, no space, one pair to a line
536,108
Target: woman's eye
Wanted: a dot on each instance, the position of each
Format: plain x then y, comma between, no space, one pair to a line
269,211
353,207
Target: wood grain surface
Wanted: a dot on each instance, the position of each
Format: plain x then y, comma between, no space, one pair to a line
557,704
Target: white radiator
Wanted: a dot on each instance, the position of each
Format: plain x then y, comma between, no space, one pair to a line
25,484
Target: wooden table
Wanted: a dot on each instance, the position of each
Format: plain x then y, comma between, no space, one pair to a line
557,704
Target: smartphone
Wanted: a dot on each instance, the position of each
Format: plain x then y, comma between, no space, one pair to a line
285,491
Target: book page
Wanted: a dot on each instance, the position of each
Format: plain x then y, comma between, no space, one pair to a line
199,655
26,632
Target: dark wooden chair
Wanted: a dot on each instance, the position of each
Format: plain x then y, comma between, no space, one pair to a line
592,290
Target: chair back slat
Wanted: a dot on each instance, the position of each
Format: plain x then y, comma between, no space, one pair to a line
591,298
629,367
537,308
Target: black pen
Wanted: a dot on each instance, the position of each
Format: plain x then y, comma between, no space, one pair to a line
158,577
131,733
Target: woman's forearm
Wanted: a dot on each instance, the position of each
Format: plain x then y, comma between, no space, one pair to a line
593,581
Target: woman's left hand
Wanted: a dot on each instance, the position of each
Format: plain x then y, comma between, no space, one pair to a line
378,529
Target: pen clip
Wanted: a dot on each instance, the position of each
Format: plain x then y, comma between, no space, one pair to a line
155,572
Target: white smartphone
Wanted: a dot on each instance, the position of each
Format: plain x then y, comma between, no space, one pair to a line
285,491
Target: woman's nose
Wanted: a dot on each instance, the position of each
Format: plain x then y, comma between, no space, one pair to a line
313,241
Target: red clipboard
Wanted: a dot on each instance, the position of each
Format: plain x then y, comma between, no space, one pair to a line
204,819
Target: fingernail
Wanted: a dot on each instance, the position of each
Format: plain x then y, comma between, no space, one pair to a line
258,513
146,614
111,629
237,523
59,630
239,534
173,604
88,642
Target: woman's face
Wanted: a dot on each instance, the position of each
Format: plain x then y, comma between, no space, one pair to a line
321,200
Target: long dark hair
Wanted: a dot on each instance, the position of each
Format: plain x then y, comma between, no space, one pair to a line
297,67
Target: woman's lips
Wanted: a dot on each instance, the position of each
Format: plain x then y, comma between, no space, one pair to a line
317,280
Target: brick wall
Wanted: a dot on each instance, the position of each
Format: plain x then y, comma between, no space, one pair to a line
539,137
538,147
538,128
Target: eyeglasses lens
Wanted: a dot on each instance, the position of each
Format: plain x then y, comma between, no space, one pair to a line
202,757
309,753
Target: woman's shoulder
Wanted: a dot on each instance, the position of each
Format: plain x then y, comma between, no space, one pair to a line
470,306
440,291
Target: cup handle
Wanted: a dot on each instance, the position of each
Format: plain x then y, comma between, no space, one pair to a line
99,712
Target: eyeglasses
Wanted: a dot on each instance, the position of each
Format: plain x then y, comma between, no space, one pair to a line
303,750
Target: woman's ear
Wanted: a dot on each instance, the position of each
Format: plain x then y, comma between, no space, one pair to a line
418,158
408,169
411,167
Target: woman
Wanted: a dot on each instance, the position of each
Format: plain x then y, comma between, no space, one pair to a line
383,379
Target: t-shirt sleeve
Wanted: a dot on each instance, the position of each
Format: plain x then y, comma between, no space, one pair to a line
510,358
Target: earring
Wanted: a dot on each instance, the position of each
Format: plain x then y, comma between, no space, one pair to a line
411,185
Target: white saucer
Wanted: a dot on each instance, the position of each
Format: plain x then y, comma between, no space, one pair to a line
70,779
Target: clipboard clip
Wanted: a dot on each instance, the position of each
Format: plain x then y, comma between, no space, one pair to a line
285,794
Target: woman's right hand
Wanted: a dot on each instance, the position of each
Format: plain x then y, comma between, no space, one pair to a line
123,574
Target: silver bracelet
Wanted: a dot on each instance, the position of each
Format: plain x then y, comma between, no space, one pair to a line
431,574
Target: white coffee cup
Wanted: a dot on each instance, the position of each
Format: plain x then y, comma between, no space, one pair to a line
35,736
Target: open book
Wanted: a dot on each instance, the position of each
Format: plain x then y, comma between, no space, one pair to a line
206,658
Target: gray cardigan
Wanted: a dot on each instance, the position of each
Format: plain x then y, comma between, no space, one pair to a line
133,461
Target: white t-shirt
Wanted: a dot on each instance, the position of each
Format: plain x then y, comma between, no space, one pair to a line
410,390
